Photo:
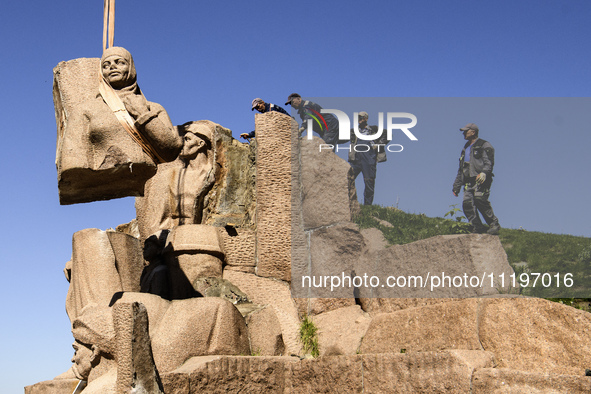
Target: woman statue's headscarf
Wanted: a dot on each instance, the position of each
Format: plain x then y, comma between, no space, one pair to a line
131,81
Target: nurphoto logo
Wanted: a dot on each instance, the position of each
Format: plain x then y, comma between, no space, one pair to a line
345,128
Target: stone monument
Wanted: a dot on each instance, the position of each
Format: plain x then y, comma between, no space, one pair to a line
183,298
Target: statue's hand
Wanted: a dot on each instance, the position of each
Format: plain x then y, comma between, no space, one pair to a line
135,104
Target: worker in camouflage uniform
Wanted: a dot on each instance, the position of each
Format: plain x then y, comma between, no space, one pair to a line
475,174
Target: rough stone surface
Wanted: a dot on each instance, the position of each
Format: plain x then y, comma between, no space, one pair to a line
334,251
232,200
273,195
502,380
300,259
56,386
155,306
198,327
376,306
192,252
526,334
407,373
340,331
451,325
264,331
264,291
316,306
128,259
536,335
239,244
135,364
429,372
218,287
182,329
465,259
324,186
374,239
103,264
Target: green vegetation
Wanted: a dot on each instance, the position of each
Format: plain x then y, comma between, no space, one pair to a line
459,226
527,251
402,227
309,337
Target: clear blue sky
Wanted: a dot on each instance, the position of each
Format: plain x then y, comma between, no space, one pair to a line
208,60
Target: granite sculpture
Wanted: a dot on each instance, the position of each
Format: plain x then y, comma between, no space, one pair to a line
110,138
197,344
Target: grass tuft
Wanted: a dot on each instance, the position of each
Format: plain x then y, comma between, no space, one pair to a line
309,337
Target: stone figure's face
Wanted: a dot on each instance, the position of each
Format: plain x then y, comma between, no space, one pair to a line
296,102
116,71
191,146
83,358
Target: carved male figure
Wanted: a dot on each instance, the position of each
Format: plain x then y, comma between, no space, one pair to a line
177,194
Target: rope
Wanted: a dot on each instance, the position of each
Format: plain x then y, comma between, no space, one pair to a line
108,24
125,119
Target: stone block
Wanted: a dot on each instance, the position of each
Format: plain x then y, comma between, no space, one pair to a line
334,252
135,365
451,325
325,375
239,245
448,266
273,195
340,331
192,252
195,238
266,291
103,264
316,306
504,380
325,195
536,335
405,373
428,372
377,306
264,332
56,386
198,327
526,334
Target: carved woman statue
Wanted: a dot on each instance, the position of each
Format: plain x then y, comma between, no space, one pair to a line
150,119
112,141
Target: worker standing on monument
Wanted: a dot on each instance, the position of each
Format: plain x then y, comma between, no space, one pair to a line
326,125
475,174
262,107
364,157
